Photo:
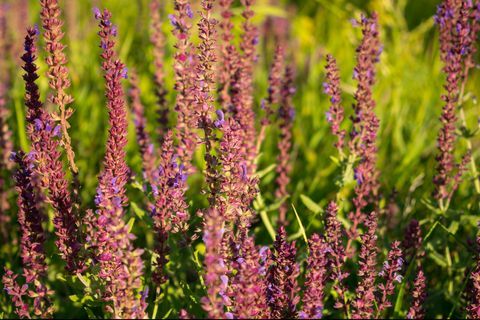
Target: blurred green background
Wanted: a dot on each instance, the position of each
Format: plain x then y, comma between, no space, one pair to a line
407,92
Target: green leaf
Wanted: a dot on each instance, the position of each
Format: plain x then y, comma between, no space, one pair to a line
276,205
139,212
167,314
84,280
262,173
310,204
74,297
268,224
302,229
130,223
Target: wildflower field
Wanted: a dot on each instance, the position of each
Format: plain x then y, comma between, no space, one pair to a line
239,159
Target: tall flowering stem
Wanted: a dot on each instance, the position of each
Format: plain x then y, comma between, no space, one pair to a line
237,189
184,82
365,292
275,82
286,114
157,38
365,124
215,277
145,144
457,38
391,274
58,72
412,250
121,266
228,54
170,212
336,255
204,100
45,138
316,278
473,307
6,145
282,287
30,219
248,284
419,294
335,114
242,87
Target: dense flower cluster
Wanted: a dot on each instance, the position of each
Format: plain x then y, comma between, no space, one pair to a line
316,277
215,277
30,218
44,136
184,67
282,286
419,295
228,54
365,292
248,284
203,93
365,122
336,255
58,72
121,266
158,41
145,144
286,113
335,113
458,25
241,87
170,212
391,274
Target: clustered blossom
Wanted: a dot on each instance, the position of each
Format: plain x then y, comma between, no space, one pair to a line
58,72
412,250
316,278
419,294
391,274
275,78
121,266
336,256
242,88
473,307
45,138
184,68
145,144
170,213
30,218
157,38
204,100
458,27
335,114
365,292
365,123
248,284
228,54
412,242
237,189
215,276
6,145
115,173
282,287
286,114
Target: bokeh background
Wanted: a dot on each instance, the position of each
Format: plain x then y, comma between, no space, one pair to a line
407,92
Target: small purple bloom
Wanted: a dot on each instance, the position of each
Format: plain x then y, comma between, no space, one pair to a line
124,73
97,13
189,11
